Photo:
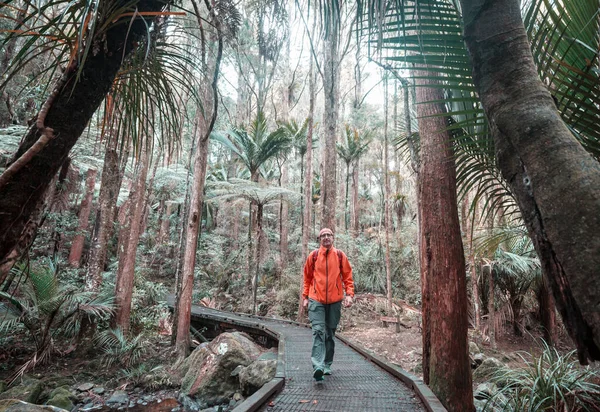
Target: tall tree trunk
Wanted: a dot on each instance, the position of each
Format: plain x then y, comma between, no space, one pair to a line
542,162
387,197
257,254
65,115
163,234
446,366
469,229
307,178
331,90
107,205
283,222
84,217
126,277
488,269
206,120
355,204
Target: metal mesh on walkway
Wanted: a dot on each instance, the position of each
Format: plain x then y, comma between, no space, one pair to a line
356,384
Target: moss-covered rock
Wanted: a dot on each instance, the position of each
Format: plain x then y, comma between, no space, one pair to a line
209,370
255,375
16,405
28,390
487,369
61,400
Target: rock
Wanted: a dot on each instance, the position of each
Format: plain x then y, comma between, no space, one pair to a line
61,400
237,397
28,390
268,356
16,405
487,369
473,348
119,397
485,390
85,387
99,390
209,368
236,371
255,375
188,403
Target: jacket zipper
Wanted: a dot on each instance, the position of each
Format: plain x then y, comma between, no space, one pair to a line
326,275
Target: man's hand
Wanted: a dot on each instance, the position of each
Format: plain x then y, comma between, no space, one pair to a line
305,303
348,301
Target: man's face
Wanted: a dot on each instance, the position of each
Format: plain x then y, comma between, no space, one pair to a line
326,240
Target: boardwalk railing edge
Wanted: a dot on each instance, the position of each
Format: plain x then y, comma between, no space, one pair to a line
275,385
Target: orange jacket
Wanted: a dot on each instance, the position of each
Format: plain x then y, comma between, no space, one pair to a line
324,283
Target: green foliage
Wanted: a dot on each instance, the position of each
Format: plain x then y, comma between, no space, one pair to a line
286,305
550,382
255,145
120,349
48,308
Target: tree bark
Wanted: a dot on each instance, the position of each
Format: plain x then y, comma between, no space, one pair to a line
542,162
387,196
487,269
107,204
331,90
205,120
355,204
126,277
68,115
84,217
446,366
307,179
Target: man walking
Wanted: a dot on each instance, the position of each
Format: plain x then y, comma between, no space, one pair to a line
327,275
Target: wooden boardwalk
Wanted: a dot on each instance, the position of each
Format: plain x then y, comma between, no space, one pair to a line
360,380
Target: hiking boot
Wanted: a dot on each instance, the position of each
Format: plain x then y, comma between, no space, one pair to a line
327,370
318,374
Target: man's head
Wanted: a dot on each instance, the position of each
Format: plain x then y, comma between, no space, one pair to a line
326,237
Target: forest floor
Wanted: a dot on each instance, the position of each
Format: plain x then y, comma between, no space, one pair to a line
359,323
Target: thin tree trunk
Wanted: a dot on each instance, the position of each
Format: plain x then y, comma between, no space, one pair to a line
65,115
387,196
283,222
355,204
125,278
206,120
84,217
307,179
257,255
112,177
473,269
542,162
446,367
164,224
491,305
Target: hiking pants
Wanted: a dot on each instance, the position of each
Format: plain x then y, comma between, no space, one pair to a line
324,320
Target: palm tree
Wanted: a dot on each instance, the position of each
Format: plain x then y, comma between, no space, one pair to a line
558,44
355,144
134,46
259,195
255,147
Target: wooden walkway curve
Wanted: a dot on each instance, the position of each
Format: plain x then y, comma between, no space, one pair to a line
360,380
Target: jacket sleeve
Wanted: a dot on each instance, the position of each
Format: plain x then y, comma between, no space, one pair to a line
347,276
308,275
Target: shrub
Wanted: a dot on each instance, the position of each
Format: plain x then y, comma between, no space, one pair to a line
550,382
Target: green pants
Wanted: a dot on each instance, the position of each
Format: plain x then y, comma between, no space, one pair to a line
324,320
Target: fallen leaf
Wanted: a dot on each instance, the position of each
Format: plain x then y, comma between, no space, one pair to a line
303,401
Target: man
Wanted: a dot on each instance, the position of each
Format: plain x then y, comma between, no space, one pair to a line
327,274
